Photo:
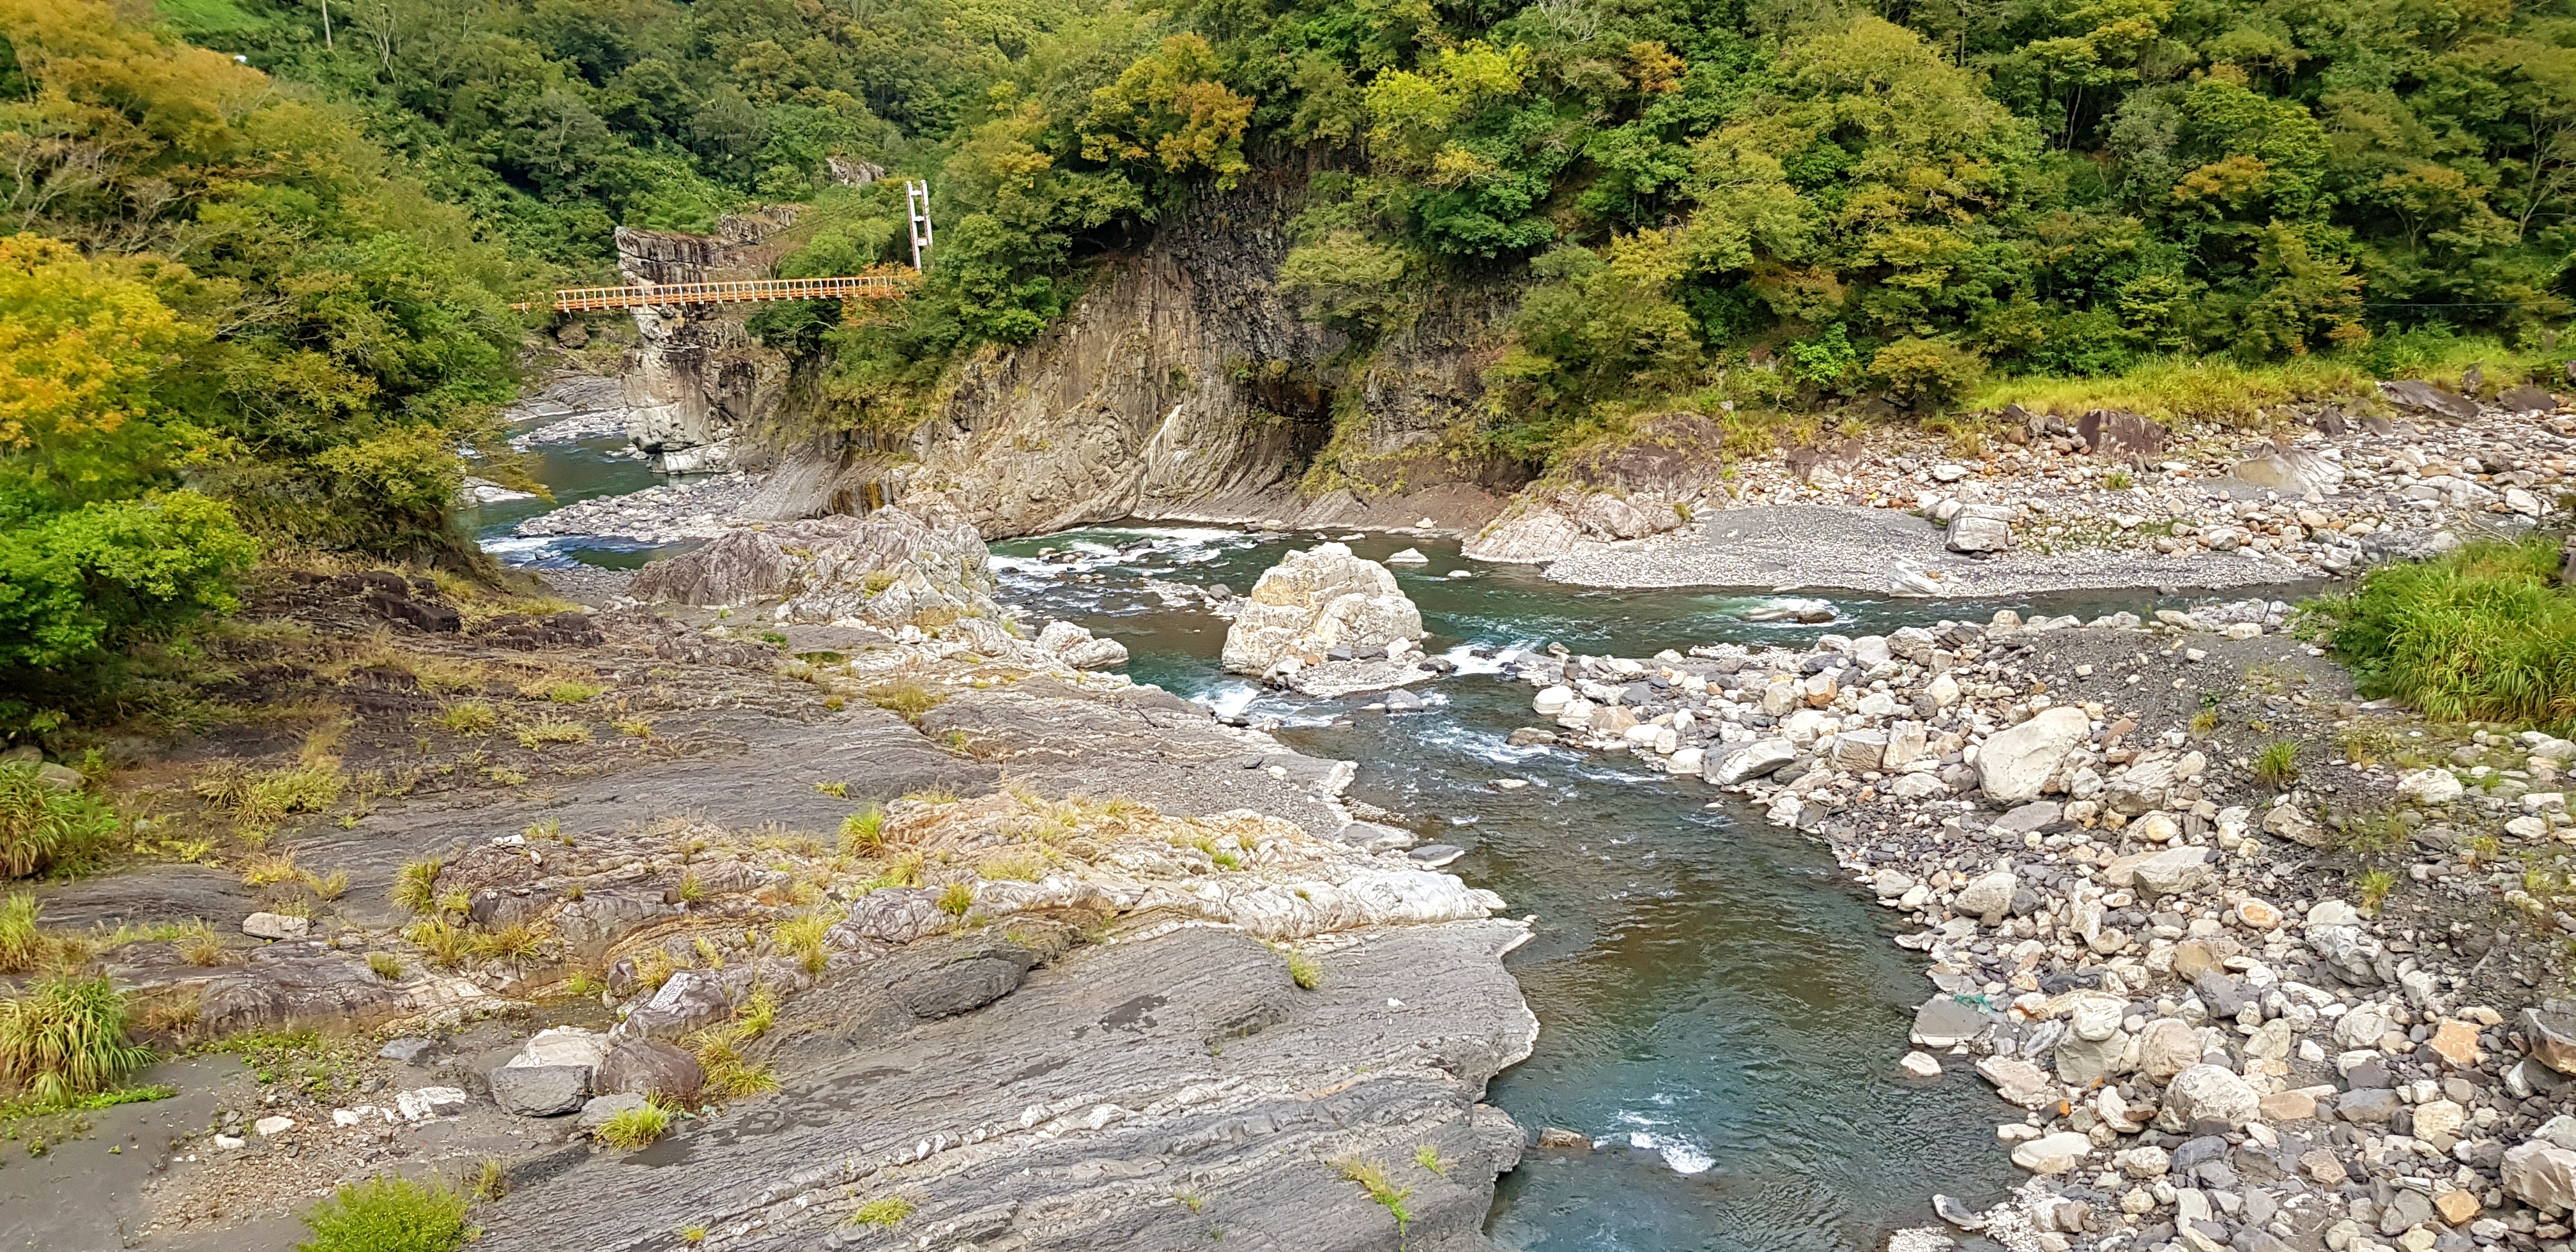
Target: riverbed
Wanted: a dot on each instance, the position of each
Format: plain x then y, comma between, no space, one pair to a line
1721,1012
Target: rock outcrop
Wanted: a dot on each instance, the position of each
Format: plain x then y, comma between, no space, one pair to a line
1185,386
1314,602
698,378
890,568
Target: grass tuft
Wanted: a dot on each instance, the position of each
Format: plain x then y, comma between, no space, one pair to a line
2278,766
1371,1176
43,829
416,886
909,699
803,936
635,1128
64,1038
21,948
468,717
539,734
385,965
863,831
388,1213
884,1212
1304,970
956,898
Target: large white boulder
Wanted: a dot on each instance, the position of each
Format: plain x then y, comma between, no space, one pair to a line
2209,1093
1316,599
2015,763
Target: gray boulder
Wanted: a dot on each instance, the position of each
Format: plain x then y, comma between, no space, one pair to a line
1978,534
1733,763
690,999
643,1067
2423,397
540,1090
889,568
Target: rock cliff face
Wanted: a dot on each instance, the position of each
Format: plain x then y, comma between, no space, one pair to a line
1185,387
697,376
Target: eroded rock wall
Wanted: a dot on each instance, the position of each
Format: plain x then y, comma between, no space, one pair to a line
1185,387
697,378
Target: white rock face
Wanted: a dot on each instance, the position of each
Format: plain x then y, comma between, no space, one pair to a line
2541,1175
2014,763
564,1045
1317,599
2054,1154
275,926
2429,786
2209,1093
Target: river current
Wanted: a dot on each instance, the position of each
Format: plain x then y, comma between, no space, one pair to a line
1719,1008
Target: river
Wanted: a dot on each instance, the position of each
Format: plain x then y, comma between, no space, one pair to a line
1720,1009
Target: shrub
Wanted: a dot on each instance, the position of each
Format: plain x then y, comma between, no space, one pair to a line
1926,373
2482,633
84,581
43,828
634,1128
64,1038
388,1214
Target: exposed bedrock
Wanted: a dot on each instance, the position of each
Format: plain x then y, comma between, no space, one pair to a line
1156,1092
1185,387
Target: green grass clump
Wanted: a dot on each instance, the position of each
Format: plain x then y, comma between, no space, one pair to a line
909,699
385,965
471,717
388,1214
863,831
2483,633
538,734
2278,766
635,1128
956,898
2374,884
64,1038
573,692
1304,970
1371,1176
802,936
416,886
43,829
883,1212
20,947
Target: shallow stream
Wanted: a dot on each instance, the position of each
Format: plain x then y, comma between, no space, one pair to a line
1718,1007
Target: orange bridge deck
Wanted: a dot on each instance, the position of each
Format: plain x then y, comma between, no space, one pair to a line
863,286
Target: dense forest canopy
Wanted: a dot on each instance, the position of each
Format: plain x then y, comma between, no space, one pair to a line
1930,188
257,257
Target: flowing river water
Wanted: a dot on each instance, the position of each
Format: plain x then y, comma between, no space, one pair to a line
1719,1008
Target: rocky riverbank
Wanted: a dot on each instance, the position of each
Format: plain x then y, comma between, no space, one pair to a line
865,897
2264,966
2112,500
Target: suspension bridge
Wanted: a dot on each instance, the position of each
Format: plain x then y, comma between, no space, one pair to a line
890,282
750,291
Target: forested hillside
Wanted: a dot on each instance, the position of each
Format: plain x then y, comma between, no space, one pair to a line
258,289
1895,199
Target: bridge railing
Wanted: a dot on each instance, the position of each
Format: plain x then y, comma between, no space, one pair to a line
859,286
